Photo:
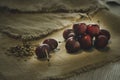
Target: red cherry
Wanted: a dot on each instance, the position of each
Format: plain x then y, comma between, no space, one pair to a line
66,33
105,32
79,28
85,41
42,51
52,43
93,30
101,41
72,45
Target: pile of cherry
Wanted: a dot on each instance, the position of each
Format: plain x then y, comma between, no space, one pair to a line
84,36
43,50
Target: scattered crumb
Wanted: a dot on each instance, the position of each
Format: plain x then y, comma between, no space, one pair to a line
24,50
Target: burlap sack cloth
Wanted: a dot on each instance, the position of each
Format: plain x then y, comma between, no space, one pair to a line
62,64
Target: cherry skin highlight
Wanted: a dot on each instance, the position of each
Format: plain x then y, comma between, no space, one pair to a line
66,33
71,35
105,32
93,30
86,41
79,28
52,43
72,45
101,42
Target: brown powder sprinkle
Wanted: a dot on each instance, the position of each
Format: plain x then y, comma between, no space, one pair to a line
26,49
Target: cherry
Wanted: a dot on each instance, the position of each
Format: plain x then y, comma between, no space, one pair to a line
79,28
72,45
66,33
105,32
42,51
101,41
85,41
93,30
52,43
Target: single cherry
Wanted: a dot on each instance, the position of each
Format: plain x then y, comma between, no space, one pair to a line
79,28
101,41
85,41
93,30
66,33
52,43
72,45
42,51
105,32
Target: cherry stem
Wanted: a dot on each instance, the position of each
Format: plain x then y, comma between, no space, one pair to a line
47,55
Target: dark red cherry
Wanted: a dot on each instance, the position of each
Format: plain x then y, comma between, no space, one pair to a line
42,51
101,41
66,33
93,30
79,28
105,32
52,43
72,45
86,41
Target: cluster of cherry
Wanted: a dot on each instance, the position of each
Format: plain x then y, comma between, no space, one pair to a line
84,36
43,50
